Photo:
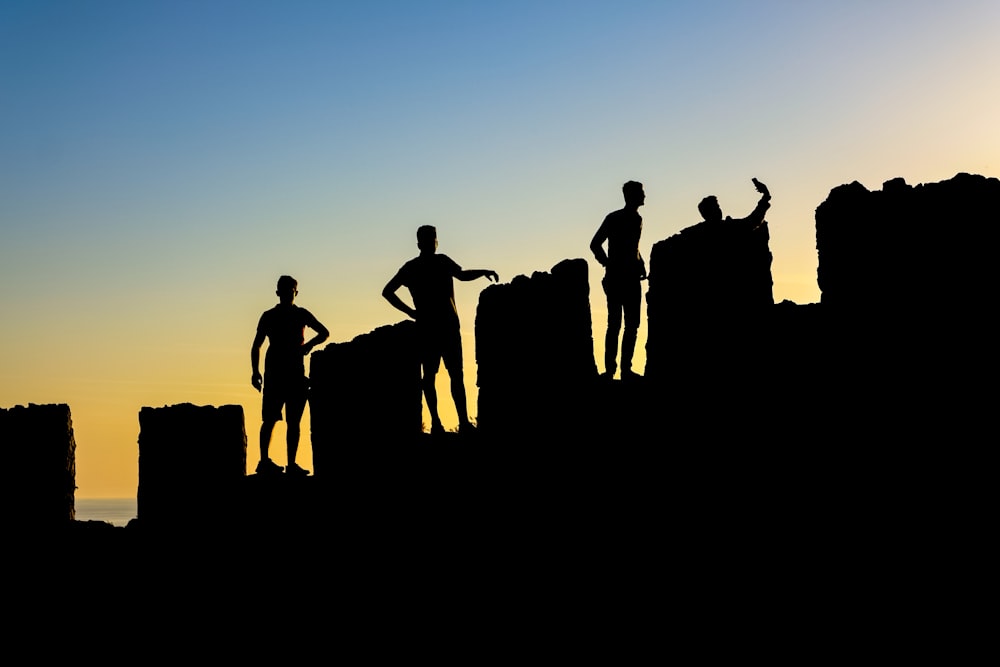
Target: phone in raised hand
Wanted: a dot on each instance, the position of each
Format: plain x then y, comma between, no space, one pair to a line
761,188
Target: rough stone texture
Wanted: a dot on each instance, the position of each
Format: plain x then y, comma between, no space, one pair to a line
192,460
39,455
535,352
904,273
709,287
907,247
853,422
364,394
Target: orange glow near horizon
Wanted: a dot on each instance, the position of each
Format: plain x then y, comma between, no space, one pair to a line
151,196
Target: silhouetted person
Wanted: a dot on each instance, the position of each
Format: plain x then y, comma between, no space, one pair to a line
711,212
624,269
739,267
284,383
429,277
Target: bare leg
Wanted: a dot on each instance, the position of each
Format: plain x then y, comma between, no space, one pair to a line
292,441
265,438
454,365
430,393
458,394
293,419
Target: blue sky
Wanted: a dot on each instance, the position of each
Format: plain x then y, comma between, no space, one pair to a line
161,163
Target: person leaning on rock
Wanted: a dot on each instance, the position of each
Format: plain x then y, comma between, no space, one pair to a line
624,271
737,274
711,211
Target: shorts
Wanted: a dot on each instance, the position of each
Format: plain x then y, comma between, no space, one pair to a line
437,343
283,390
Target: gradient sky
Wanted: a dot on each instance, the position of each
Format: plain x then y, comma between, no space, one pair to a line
162,163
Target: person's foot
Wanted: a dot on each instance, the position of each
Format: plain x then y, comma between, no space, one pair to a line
629,375
437,429
467,429
296,470
268,467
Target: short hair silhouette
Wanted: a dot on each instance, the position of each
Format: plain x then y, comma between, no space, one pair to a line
709,208
631,188
287,283
426,232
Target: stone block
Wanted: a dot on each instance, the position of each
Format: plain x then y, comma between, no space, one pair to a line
364,395
192,462
39,456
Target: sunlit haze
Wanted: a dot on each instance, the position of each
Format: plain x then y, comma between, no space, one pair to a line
162,163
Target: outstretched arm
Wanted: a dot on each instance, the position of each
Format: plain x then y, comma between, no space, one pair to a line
762,189
389,294
756,218
472,274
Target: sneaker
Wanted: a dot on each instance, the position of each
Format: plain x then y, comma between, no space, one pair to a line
629,375
467,429
268,467
296,470
437,429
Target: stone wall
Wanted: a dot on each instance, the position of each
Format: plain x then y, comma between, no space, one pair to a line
535,352
365,395
39,455
709,288
907,248
192,461
880,383
904,273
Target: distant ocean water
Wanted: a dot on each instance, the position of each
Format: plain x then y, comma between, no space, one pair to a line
116,511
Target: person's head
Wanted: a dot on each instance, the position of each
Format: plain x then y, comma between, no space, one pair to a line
288,287
709,209
634,194
427,238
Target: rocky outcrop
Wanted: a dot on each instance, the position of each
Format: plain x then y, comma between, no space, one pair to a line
708,302
712,267
907,248
747,406
903,275
364,395
535,353
39,457
192,460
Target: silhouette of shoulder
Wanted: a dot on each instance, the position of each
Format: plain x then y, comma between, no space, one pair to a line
429,275
423,267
